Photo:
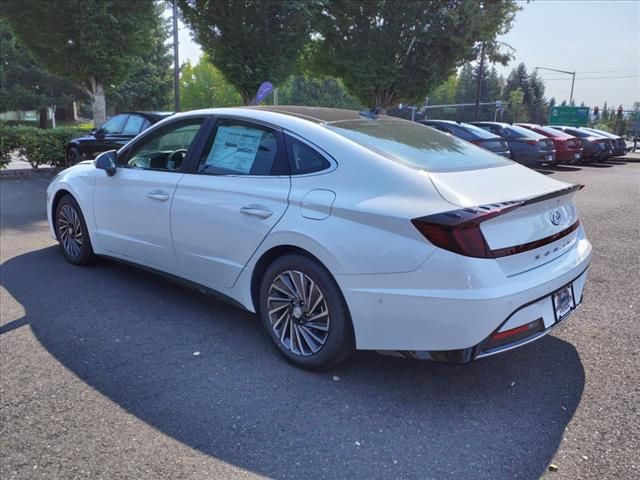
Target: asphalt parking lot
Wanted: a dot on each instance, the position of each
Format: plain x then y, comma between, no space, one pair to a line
99,378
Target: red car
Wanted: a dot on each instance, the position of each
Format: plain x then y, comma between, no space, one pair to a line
568,148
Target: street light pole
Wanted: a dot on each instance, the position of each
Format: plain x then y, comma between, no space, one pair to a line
573,80
176,60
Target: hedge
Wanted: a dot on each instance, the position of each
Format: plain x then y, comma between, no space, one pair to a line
35,145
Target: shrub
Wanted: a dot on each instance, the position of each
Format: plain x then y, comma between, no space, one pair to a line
36,146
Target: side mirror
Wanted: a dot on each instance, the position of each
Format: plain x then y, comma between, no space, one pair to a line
107,161
93,131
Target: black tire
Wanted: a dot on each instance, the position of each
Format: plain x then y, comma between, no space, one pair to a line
338,340
72,233
73,156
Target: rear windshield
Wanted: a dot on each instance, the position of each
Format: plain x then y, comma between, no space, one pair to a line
555,133
416,145
478,132
525,132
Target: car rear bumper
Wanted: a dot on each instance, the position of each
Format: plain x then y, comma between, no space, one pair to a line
450,313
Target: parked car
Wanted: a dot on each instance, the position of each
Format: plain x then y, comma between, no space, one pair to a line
473,134
620,148
595,147
527,147
568,148
113,134
341,230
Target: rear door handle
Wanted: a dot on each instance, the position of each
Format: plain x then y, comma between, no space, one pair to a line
158,195
257,211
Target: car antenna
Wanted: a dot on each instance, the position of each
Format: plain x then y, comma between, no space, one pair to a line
371,113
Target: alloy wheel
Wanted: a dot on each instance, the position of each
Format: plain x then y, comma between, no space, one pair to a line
298,313
70,230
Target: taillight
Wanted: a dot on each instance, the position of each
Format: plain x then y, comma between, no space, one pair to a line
532,142
498,339
459,231
476,142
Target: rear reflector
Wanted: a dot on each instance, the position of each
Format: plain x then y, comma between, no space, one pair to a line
498,339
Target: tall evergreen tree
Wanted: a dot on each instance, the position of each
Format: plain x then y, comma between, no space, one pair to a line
465,88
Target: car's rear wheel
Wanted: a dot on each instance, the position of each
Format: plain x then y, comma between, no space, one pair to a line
73,156
72,233
303,310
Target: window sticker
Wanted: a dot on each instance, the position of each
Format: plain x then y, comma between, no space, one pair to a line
235,148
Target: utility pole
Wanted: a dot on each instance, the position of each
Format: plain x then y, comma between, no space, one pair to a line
176,60
480,72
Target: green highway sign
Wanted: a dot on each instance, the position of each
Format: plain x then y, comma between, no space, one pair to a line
570,116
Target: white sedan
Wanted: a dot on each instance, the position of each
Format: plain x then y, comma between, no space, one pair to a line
341,230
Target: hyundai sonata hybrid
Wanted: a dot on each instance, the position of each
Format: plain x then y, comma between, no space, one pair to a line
342,230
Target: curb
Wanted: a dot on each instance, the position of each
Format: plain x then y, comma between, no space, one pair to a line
28,172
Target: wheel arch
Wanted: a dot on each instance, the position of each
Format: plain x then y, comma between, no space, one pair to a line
54,206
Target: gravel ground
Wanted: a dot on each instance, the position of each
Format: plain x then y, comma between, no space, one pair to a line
100,377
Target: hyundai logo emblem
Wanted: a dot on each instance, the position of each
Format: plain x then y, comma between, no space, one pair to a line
556,217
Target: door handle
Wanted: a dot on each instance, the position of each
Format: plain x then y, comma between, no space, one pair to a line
158,195
257,211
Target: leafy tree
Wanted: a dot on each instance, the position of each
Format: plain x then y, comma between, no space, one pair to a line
445,93
251,41
386,52
150,84
93,43
326,92
25,84
203,86
518,111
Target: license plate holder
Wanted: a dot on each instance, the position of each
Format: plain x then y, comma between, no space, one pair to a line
563,302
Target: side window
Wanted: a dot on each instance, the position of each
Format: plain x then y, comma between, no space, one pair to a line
145,125
303,158
164,149
240,149
133,125
113,125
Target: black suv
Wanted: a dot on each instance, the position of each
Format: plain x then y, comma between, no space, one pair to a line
115,132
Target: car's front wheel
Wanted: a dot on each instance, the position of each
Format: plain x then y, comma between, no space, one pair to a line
303,310
72,233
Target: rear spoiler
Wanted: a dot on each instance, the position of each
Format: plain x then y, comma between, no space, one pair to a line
557,193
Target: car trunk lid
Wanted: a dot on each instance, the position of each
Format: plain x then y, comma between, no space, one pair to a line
539,222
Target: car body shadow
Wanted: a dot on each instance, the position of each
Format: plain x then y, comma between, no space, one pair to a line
132,336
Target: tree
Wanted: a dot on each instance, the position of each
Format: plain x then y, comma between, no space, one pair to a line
250,41
518,110
93,43
465,88
386,52
150,84
203,86
325,92
445,93
25,84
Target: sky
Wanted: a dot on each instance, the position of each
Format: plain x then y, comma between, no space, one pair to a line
598,39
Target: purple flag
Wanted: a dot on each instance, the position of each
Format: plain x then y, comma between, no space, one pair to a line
264,90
